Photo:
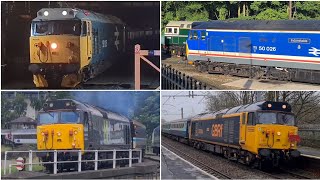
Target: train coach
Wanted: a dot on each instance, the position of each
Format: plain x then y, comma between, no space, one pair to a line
282,50
260,134
66,124
69,46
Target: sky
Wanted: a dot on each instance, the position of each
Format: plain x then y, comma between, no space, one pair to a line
171,106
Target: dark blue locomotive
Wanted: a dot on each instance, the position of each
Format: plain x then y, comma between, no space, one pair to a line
263,133
69,46
283,50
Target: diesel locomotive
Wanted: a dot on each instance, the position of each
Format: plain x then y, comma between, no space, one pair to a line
283,50
66,124
175,36
259,134
69,46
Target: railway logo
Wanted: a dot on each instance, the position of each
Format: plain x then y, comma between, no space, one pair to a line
116,42
314,51
217,130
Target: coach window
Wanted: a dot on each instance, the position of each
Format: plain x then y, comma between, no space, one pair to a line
251,118
84,28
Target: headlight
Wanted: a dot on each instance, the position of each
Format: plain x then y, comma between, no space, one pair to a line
279,133
46,13
54,45
64,13
59,134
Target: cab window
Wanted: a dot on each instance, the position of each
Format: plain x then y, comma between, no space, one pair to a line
84,28
175,30
203,35
251,118
168,30
195,35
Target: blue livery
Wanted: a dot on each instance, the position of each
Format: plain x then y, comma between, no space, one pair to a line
293,47
177,128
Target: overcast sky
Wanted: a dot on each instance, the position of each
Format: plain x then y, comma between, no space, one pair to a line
171,106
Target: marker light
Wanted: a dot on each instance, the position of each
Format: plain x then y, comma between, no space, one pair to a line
54,45
64,13
46,13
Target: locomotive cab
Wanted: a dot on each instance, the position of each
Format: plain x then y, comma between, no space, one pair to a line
61,129
270,132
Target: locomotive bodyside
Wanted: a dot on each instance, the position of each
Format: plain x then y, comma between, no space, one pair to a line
246,48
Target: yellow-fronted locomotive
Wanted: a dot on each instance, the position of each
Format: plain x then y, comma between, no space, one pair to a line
258,134
69,46
67,124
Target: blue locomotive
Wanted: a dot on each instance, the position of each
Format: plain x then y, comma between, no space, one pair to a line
69,46
282,50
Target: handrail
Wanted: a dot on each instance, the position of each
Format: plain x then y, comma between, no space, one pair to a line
79,161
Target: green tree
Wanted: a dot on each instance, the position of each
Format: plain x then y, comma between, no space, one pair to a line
148,110
12,109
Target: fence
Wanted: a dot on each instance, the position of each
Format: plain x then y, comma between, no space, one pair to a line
79,161
310,137
139,54
174,79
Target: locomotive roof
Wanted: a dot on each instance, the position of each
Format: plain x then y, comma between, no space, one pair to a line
177,121
298,25
181,24
263,105
74,14
59,104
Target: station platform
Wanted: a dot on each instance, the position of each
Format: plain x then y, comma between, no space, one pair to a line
309,152
174,167
145,170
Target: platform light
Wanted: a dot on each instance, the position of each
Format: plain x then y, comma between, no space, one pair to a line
46,13
64,13
54,45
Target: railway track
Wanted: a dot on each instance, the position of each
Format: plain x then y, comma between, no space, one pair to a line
201,158
193,160
285,174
